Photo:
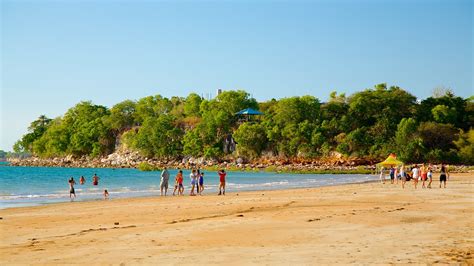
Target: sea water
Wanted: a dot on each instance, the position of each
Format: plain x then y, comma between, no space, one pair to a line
29,186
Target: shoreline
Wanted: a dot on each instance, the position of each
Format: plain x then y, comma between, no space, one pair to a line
232,193
353,223
333,166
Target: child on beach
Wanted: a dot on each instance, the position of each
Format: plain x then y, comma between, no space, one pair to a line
222,175
178,183
201,183
72,192
106,194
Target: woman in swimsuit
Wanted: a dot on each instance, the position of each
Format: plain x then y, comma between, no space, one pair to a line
201,183
444,175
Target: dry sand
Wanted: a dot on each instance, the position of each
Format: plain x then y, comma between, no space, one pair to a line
362,223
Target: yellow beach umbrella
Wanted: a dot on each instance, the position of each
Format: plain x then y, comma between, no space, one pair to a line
391,161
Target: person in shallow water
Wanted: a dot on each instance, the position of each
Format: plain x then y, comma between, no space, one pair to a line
72,192
95,180
106,194
82,180
165,177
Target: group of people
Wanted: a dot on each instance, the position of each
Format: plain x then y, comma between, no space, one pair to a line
418,173
82,181
197,182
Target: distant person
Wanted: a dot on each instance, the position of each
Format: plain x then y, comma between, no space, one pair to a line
415,175
198,174
403,176
222,175
382,175
82,180
95,180
176,182
165,177
193,178
444,175
201,183
430,175
106,194
423,175
180,183
392,174
72,192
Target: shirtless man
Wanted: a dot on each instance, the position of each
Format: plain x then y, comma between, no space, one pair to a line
222,175
72,192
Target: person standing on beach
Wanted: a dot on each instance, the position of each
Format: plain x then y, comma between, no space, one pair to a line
82,180
193,177
403,176
424,175
430,175
72,192
201,183
165,177
176,182
95,180
222,174
198,174
106,194
444,175
415,174
382,175
392,174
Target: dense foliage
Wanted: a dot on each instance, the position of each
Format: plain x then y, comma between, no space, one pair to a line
368,124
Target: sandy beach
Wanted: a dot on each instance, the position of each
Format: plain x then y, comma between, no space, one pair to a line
360,223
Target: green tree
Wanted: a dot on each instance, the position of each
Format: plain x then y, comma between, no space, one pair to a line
465,144
251,139
408,144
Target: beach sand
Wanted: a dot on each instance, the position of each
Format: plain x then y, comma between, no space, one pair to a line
361,223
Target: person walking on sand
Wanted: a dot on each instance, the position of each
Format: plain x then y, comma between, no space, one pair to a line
82,180
201,183
222,174
198,174
95,180
193,178
382,175
106,194
430,175
165,177
72,192
176,183
415,175
392,174
424,175
444,175
403,176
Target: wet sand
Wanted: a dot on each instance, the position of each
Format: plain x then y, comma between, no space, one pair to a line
361,223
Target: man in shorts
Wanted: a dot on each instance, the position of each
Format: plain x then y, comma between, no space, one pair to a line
72,192
165,177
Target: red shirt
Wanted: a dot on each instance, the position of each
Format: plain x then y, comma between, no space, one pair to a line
222,176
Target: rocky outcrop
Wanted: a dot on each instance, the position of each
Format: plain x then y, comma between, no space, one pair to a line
130,159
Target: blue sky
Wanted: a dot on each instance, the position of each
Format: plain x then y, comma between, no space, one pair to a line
57,53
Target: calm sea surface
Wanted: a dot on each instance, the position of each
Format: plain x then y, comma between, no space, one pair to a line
28,186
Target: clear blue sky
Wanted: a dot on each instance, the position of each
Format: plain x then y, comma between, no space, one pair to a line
57,53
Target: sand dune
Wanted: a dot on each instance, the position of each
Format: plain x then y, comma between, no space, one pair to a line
363,223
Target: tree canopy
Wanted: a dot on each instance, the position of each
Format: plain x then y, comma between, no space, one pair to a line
367,124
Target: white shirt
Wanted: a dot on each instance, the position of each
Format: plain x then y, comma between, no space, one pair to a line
415,172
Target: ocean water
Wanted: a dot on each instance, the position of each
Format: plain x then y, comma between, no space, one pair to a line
29,186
